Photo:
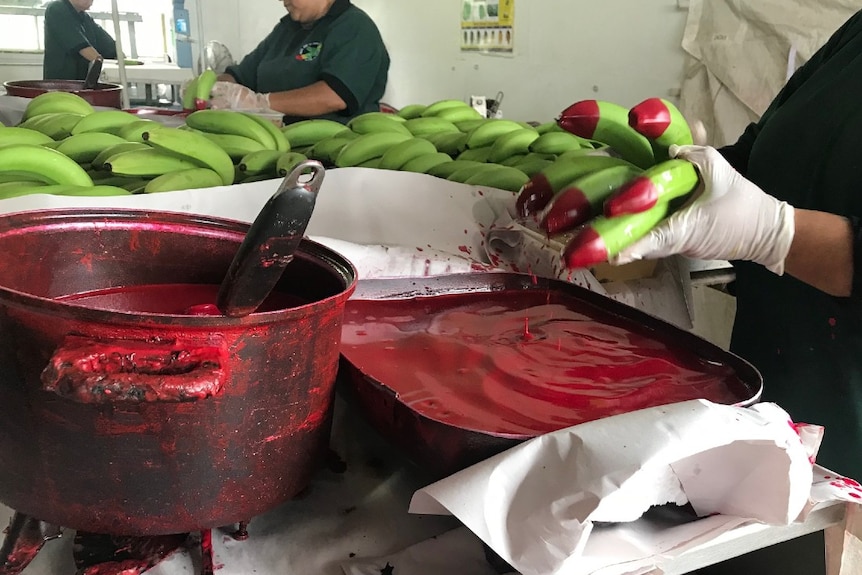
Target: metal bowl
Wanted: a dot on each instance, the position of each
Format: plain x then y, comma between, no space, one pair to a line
104,94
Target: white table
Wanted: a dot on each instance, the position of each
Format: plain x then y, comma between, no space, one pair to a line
149,74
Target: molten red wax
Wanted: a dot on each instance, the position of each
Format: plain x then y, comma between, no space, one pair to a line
171,299
522,363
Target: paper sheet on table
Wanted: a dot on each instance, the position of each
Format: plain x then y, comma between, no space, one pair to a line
402,223
537,504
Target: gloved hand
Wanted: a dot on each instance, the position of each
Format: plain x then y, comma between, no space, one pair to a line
232,96
730,219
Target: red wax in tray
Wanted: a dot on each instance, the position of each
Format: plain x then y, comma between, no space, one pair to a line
523,362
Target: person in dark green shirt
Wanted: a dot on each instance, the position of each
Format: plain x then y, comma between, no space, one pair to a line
784,204
325,59
73,40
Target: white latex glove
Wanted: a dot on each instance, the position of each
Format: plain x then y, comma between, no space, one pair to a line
731,219
233,96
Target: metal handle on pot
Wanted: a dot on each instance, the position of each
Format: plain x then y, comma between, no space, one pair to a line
98,372
271,241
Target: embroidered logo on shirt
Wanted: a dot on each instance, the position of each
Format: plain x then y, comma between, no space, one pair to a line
310,51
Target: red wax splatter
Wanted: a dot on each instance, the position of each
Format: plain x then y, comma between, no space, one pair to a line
470,365
207,567
464,249
650,118
527,335
833,322
534,196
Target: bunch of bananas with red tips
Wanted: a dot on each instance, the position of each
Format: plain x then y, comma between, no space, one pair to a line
599,205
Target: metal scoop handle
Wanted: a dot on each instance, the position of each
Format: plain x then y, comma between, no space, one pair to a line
271,242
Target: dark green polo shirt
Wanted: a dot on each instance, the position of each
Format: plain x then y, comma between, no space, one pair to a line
67,32
343,49
807,150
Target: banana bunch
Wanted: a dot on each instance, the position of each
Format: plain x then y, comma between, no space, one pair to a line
238,133
57,103
197,93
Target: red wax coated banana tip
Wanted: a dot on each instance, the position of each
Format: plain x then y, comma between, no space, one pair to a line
536,194
650,118
637,196
586,249
581,118
200,104
569,210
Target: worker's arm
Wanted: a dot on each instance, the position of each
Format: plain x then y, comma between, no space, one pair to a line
314,100
90,53
821,254
733,219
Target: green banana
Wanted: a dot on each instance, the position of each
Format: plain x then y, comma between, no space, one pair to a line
281,143
134,132
109,121
373,163
603,237
440,105
401,153
422,127
190,95
532,166
512,143
548,127
556,143
660,184
412,111
372,123
499,177
260,162
422,164
98,162
148,163
92,191
467,126
287,162
582,199
384,115
608,123
57,102
309,132
368,146
227,122
56,125
488,131
476,154
542,187
237,147
327,150
446,169
662,123
451,143
512,161
190,179
194,147
84,148
23,136
458,114
204,88
43,164
467,172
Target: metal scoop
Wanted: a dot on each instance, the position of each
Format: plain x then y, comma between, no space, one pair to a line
270,242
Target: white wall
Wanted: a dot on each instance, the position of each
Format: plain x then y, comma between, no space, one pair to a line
619,50
566,50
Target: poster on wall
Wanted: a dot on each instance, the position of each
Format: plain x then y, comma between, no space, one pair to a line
488,26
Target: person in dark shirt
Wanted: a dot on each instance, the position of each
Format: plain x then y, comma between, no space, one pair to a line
325,59
784,204
73,40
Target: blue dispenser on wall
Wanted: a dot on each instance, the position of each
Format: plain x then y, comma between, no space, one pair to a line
182,32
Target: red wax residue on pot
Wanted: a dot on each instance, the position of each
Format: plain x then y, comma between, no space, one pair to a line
171,299
465,360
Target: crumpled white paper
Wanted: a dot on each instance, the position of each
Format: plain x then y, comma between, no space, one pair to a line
537,504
